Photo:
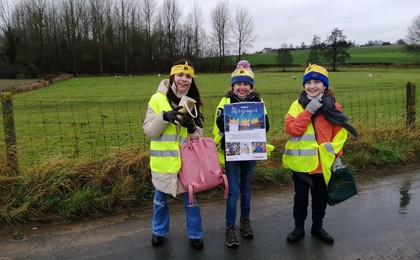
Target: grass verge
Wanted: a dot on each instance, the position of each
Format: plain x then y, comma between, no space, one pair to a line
61,190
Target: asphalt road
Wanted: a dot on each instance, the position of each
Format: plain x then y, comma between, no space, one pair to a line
381,222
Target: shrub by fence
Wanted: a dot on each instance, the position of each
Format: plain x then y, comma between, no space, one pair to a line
85,127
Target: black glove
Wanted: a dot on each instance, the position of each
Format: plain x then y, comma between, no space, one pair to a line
172,115
189,124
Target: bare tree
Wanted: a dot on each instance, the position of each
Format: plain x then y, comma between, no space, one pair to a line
170,18
221,28
284,56
35,20
148,13
72,11
316,52
197,31
243,30
122,11
8,38
336,48
107,36
413,36
6,8
98,21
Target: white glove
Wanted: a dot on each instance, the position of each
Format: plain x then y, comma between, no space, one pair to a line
313,106
337,164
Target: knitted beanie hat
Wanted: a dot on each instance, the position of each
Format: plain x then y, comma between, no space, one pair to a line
242,73
314,71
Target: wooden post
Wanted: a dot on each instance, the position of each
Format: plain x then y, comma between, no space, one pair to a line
10,133
411,105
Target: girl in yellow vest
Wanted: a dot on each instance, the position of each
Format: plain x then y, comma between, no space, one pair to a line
167,128
239,173
318,130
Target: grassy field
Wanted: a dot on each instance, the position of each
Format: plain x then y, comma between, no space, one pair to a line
69,135
91,116
95,115
370,54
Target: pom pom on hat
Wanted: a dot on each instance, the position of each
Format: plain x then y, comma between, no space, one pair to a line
317,72
242,73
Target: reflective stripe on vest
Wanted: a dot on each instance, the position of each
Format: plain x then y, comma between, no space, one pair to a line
218,135
301,153
164,150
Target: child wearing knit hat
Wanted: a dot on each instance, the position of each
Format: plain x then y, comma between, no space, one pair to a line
315,72
317,129
243,73
239,173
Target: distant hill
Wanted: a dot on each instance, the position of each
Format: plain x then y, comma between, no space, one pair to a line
387,55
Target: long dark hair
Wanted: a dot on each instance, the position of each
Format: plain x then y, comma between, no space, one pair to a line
193,93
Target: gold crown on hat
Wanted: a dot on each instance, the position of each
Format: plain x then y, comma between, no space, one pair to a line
243,72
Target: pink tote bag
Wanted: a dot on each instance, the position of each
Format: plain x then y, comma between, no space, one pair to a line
200,168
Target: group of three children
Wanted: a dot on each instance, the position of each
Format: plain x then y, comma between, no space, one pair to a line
313,120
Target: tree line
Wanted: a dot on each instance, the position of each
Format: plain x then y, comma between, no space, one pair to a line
117,36
334,50
39,37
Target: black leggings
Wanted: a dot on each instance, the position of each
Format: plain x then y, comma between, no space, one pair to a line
319,200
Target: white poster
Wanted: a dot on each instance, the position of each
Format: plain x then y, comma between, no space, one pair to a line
245,135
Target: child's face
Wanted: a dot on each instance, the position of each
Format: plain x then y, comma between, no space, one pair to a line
182,81
241,89
314,88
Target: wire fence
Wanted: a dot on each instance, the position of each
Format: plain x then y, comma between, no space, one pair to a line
86,127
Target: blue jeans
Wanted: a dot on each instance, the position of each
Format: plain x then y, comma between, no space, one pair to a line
160,223
239,175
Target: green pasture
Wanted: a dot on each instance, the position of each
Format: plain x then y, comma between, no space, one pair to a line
92,116
370,54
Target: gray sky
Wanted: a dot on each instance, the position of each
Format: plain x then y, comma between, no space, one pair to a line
296,21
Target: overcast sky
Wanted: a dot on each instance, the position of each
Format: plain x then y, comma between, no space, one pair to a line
296,21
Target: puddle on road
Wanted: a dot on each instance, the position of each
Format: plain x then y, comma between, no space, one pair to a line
405,197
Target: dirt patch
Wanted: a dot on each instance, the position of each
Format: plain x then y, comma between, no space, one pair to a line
38,84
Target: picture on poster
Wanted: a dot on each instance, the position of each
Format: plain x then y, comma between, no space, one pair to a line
245,134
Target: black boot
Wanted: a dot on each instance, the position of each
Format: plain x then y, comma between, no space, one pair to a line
197,243
323,235
157,240
295,235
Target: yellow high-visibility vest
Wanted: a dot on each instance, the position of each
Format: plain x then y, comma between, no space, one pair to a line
164,150
301,153
217,134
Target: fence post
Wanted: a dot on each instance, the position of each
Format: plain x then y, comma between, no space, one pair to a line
411,105
9,132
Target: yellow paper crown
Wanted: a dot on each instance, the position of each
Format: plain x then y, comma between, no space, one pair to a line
182,69
243,72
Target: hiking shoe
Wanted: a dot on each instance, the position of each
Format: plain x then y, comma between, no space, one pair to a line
323,235
157,240
231,239
197,243
295,235
245,226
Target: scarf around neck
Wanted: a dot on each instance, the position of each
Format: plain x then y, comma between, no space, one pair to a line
330,112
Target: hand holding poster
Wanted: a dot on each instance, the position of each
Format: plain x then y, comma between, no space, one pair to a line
245,133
